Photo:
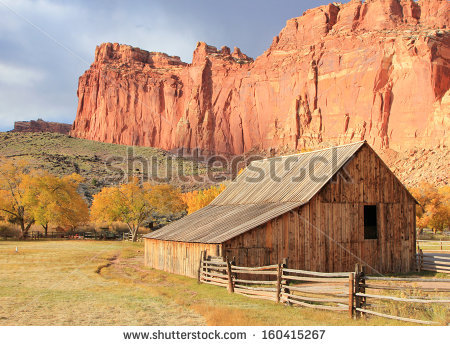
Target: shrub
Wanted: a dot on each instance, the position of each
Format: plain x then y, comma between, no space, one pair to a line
8,231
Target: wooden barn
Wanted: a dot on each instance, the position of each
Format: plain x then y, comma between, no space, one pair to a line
324,210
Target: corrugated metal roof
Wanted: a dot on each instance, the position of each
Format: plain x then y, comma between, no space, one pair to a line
215,224
263,191
294,178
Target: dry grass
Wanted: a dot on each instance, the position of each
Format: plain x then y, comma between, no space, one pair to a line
105,283
438,313
55,283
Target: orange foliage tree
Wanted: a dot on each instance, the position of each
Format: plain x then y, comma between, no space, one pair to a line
434,208
134,204
199,199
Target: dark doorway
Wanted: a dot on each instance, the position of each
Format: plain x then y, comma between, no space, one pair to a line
370,222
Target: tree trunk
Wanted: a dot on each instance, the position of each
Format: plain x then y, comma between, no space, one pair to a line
22,230
134,229
45,227
419,232
134,234
27,228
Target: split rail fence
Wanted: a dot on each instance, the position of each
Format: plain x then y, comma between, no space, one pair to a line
352,292
433,255
435,262
433,245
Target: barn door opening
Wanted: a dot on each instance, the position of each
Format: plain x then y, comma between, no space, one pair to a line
370,222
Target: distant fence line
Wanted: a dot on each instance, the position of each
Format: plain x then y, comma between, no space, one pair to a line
435,262
351,292
71,235
433,245
35,235
433,255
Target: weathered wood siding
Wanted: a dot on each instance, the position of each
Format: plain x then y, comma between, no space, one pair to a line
177,257
327,234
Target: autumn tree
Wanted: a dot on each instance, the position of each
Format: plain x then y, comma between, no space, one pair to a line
434,206
56,201
13,187
30,197
134,204
199,199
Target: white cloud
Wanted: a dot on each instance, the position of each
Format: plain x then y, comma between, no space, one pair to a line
51,9
19,76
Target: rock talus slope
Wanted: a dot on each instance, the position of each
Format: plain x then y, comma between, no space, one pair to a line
376,70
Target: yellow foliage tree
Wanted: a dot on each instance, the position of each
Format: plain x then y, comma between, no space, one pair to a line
199,199
29,197
434,208
54,200
134,204
13,186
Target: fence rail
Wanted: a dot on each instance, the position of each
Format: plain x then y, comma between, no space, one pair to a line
433,245
436,262
341,292
406,286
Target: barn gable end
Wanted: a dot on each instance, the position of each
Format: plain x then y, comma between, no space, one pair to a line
327,234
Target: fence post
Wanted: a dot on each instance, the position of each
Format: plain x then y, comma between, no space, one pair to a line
420,260
230,277
362,288
284,264
279,275
351,282
356,290
200,268
285,286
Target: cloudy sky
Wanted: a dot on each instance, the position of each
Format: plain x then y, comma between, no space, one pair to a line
45,45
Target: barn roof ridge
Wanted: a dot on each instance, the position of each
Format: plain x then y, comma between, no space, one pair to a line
284,184
311,152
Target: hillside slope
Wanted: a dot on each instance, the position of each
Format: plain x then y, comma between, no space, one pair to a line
61,155
101,164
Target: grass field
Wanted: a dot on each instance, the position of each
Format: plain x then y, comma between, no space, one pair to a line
105,283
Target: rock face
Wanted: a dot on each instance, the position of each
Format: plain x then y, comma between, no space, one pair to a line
41,126
376,70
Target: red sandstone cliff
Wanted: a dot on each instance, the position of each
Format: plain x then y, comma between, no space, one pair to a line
41,126
377,70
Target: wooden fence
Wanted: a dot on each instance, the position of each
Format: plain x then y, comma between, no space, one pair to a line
436,262
36,235
383,291
433,245
325,291
351,292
